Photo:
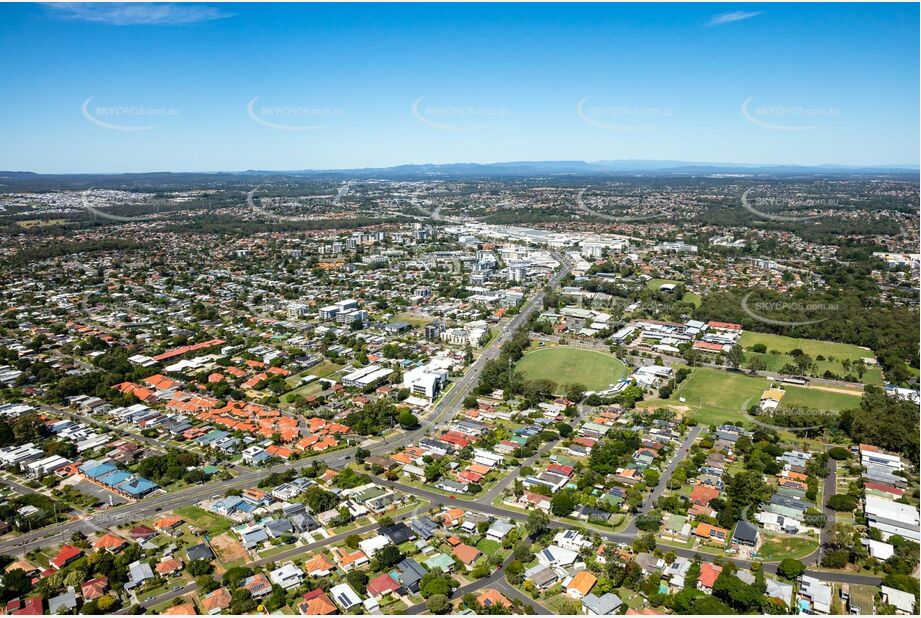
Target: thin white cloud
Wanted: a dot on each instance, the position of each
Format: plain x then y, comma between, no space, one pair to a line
137,14
729,18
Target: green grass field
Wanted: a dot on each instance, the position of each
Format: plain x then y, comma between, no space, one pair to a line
776,362
715,396
565,365
323,370
712,397
412,319
775,549
655,284
818,399
200,518
488,546
812,347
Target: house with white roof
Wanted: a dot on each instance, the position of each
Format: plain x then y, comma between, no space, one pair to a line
554,555
345,597
287,576
374,544
903,602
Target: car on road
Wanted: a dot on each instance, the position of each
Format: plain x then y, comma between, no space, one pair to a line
158,509
176,587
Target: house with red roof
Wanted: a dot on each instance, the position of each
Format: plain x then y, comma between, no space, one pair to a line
706,346
382,585
702,494
708,574
727,326
28,607
109,542
560,469
169,566
94,588
466,554
66,555
317,603
142,532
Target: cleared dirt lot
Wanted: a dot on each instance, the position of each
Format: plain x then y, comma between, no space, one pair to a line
228,549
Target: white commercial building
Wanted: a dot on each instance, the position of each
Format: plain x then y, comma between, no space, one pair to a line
366,376
426,380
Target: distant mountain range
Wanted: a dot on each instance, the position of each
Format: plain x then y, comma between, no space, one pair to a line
511,169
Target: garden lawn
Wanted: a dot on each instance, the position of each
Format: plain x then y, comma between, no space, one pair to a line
775,549
200,518
488,546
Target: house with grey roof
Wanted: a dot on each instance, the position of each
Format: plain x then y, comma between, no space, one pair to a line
424,527
605,605
779,590
411,573
63,603
138,573
499,529
745,534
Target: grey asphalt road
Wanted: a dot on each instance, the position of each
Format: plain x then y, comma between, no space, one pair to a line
829,489
19,488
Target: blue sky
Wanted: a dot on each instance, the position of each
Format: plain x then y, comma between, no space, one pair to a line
110,88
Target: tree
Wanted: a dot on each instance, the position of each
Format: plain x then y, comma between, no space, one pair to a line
407,419
565,430
737,593
106,602
436,582
15,584
319,500
438,604
562,503
746,488
575,392
887,422
735,356
242,601
836,558
538,521
712,606
200,567
790,568
357,579
234,576
389,556
905,583
513,572
842,502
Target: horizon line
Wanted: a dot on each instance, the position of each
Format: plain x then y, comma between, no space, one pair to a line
674,163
